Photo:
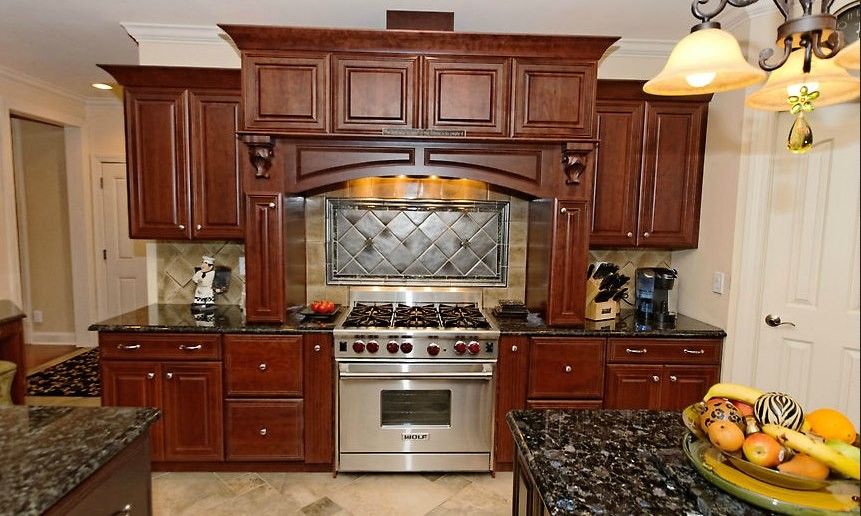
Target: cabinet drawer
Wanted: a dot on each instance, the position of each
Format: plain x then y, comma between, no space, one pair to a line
564,404
261,366
566,368
169,346
664,351
264,430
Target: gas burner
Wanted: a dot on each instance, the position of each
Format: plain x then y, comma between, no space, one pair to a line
462,315
423,315
369,314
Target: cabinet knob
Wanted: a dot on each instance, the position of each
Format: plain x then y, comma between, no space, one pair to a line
563,210
656,378
150,376
181,227
568,368
317,348
262,366
630,234
125,511
169,376
646,234
514,349
674,378
271,204
263,431
199,227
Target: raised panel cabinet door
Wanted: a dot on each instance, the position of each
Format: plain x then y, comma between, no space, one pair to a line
512,374
193,421
468,94
566,303
263,365
553,100
135,384
285,94
563,368
671,181
156,150
319,403
685,385
633,386
264,241
216,191
375,92
617,173
264,429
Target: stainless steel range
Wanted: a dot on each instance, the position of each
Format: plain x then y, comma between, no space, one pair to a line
415,382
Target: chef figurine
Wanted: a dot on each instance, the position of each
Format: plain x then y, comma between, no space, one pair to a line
204,294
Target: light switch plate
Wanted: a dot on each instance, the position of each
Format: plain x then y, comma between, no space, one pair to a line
37,316
717,282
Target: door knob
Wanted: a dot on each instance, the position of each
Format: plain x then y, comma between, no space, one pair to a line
774,321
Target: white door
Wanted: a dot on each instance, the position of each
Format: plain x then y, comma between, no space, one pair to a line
812,268
124,258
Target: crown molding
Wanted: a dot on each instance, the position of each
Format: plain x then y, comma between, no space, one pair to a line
40,84
167,33
633,47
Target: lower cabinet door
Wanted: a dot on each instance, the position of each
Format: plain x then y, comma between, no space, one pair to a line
633,386
193,423
135,384
561,368
685,385
264,430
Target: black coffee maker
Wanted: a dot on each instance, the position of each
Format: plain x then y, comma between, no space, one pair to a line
653,285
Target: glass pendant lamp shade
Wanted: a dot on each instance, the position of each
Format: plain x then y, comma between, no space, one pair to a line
850,57
833,83
708,60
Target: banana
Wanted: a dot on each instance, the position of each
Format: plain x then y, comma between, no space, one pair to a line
845,449
733,391
819,451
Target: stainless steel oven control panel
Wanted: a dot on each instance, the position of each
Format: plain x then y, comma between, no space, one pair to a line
409,345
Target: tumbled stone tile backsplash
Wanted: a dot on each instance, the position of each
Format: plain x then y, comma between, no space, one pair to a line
176,262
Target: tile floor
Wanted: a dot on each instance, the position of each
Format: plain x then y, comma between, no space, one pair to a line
213,494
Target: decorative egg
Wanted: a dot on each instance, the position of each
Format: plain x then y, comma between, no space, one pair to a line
721,411
779,409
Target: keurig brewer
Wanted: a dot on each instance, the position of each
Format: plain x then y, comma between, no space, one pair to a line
653,285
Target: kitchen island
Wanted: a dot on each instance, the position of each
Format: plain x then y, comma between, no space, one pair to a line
608,462
75,460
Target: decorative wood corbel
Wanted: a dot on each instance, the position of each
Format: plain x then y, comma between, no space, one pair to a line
261,150
575,156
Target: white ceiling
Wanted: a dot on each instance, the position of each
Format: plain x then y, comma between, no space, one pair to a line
60,41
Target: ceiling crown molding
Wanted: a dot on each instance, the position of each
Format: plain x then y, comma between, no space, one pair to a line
34,82
166,33
633,47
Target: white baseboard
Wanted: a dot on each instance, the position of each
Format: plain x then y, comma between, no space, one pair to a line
53,337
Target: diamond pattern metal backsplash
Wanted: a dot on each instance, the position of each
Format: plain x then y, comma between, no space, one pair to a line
422,242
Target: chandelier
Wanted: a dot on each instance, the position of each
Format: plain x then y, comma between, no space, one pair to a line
807,66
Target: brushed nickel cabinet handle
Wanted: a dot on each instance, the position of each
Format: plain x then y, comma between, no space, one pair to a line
263,431
128,347
568,368
169,376
656,378
187,347
674,378
636,351
317,348
694,351
262,366
514,349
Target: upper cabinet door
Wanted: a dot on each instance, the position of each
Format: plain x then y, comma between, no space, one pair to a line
374,92
215,165
468,94
286,94
567,290
156,135
264,248
617,173
671,182
553,99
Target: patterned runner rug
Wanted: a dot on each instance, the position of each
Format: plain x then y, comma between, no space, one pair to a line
77,376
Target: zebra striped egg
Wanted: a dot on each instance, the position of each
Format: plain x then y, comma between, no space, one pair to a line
779,409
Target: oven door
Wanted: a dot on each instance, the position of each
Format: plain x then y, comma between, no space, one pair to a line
399,407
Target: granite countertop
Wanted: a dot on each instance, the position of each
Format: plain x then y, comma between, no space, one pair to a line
9,312
624,325
224,319
48,451
615,462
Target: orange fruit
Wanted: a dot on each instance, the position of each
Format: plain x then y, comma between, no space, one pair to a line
831,424
726,435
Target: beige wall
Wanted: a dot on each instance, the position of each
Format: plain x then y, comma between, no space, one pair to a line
40,166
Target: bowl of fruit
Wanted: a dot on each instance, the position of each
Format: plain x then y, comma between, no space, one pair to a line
322,308
764,448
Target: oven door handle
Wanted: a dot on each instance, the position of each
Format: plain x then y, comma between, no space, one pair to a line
402,376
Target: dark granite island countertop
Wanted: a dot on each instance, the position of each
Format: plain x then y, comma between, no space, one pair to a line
614,462
46,452
624,325
9,312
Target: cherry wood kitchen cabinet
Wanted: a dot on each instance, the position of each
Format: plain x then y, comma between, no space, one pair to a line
183,160
512,376
566,368
553,99
135,384
319,401
665,374
264,254
264,430
193,423
648,172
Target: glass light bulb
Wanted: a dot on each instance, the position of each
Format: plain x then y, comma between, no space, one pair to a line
794,90
698,80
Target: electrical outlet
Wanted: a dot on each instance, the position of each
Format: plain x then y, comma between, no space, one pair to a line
38,316
717,282
241,267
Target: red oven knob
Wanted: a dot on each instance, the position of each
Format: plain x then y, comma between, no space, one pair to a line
433,349
406,347
358,346
372,346
460,347
392,346
474,347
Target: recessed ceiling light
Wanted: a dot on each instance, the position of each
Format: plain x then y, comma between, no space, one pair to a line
102,86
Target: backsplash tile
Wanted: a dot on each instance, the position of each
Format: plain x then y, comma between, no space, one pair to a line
629,260
176,262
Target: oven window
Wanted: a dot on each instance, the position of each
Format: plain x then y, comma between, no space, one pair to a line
415,408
